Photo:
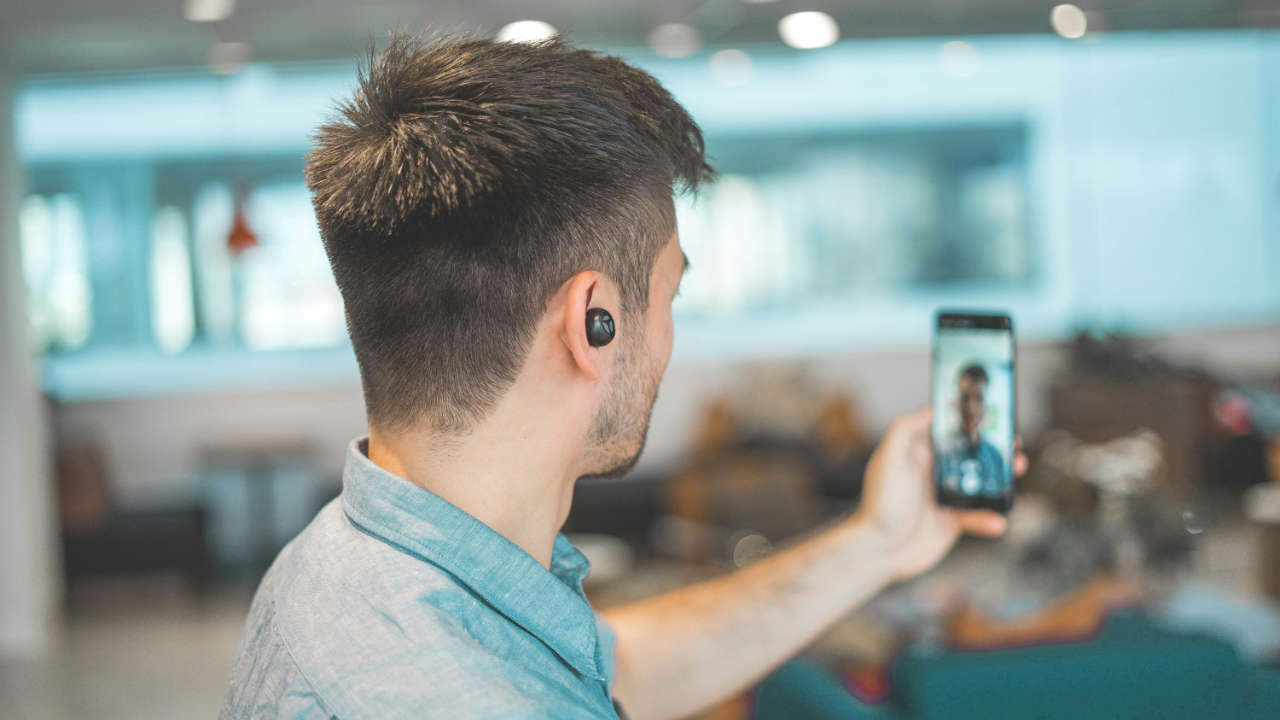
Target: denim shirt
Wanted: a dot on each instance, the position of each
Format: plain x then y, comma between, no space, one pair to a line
394,603
974,469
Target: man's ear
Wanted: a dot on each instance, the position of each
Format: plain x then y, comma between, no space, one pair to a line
583,291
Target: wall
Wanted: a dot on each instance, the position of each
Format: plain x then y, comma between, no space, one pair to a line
1169,152
1153,164
26,523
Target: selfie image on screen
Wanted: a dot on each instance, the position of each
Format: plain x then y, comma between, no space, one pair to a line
973,404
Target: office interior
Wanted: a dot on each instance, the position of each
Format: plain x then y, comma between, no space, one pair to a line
177,389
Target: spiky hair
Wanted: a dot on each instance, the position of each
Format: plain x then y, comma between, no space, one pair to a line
437,126
463,182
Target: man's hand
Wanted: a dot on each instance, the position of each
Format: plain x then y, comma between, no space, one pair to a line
898,500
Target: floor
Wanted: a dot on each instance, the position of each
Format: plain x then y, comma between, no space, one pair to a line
147,651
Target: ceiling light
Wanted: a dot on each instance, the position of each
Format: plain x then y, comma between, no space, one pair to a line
526,31
1068,21
732,67
958,59
808,30
204,11
675,40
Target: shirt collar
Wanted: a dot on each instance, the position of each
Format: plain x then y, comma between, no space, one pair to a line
549,605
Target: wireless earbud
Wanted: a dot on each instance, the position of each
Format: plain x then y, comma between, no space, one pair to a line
599,327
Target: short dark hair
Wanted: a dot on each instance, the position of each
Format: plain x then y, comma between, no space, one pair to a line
976,373
463,183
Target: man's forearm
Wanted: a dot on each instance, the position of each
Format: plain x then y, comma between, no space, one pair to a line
685,650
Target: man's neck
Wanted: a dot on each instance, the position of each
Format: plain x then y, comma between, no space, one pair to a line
509,477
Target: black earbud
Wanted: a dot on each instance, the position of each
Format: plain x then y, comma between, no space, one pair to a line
599,327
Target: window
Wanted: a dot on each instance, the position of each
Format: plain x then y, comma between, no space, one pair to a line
288,298
55,267
172,312
160,247
794,220
279,294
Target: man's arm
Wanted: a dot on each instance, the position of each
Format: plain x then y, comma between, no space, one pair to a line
683,651
686,650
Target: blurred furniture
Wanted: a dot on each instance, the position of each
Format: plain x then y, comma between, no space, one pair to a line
1133,669
625,508
1262,508
771,457
1112,388
100,539
1273,460
260,470
1079,614
141,541
768,459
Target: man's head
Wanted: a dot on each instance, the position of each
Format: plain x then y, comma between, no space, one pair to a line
466,186
972,383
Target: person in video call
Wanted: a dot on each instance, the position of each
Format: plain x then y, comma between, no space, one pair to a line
499,219
970,464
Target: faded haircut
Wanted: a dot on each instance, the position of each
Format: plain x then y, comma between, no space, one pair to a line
463,183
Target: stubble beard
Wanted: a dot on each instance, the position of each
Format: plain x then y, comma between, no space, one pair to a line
621,424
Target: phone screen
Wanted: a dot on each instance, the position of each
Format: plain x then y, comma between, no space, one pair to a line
973,410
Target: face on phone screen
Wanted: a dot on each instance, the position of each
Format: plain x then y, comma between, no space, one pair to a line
973,413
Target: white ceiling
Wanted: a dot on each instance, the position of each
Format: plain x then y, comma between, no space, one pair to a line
88,35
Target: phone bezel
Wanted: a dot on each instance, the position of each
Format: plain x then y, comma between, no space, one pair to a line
982,321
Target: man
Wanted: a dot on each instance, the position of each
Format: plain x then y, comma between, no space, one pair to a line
970,464
495,213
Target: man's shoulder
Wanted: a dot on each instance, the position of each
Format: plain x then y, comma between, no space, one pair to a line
353,675
336,586
344,624
265,680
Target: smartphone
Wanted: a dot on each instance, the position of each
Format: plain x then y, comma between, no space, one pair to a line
973,410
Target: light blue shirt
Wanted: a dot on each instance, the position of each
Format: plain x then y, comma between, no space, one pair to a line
393,603
974,469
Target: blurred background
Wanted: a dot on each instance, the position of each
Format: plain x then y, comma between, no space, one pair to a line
177,390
